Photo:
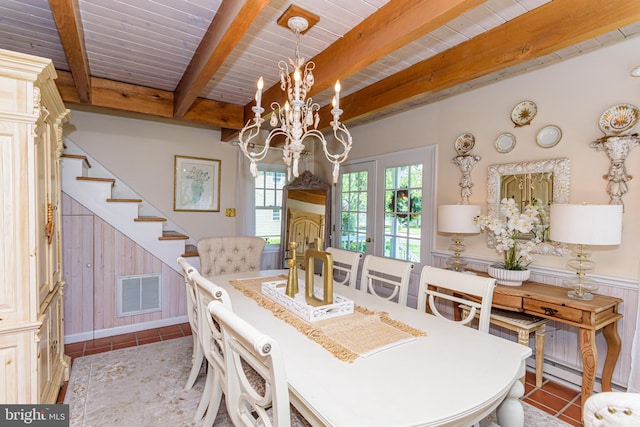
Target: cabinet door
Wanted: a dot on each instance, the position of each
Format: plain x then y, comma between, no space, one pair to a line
43,208
55,191
16,367
44,357
52,368
14,222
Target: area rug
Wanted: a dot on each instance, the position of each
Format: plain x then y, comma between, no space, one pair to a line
144,386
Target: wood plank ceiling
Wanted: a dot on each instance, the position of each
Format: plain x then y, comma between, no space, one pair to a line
199,60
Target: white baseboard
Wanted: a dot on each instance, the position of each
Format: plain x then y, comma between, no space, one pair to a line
118,330
567,376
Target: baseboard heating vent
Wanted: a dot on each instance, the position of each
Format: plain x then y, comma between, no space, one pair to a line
139,294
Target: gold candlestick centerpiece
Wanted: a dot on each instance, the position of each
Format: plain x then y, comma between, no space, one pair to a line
292,278
327,274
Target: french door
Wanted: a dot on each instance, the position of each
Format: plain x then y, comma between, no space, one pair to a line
355,219
384,206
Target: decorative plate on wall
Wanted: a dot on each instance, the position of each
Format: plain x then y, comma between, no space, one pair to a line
548,136
464,143
505,142
523,113
619,119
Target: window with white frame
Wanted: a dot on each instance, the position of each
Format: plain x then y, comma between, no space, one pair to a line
268,192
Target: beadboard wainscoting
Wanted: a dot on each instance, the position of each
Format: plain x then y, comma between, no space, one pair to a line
562,352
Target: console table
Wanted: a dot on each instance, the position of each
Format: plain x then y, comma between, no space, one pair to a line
552,302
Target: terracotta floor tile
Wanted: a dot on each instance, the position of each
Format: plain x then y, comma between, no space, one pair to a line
528,387
548,400
98,343
124,345
63,392
186,328
149,340
124,338
74,348
559,390
170,330
530,377
574,411
149,333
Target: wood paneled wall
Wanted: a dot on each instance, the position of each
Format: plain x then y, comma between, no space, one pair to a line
95,256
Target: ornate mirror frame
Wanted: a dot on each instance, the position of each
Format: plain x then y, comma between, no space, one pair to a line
561,170
311,183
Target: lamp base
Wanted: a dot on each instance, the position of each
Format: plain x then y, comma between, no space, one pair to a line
456,262
585,296
581,287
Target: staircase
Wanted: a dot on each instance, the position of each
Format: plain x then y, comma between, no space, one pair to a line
123,213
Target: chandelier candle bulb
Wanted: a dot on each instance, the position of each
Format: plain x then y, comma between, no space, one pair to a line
259,92
296,78
337,97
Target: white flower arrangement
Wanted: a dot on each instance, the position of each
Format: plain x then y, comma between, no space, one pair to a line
508,229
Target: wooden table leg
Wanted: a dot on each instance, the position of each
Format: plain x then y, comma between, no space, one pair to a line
540,333
589,362
614,343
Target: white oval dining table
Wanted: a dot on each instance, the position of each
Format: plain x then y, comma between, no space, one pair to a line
453,376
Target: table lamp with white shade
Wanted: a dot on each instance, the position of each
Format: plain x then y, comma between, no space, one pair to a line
584,225
458,220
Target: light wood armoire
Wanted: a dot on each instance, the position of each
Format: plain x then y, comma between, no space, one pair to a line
32,361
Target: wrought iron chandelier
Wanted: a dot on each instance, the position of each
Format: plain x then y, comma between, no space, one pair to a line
298,119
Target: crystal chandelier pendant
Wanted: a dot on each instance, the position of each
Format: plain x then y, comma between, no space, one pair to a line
298,119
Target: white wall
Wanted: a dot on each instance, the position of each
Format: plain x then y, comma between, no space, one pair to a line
572,95
141,153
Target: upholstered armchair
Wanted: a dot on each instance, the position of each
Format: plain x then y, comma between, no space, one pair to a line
230,254
612,409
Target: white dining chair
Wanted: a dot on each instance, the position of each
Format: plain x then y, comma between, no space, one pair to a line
230,254
244,344
212,348
612,409
346,264
437,284
197,356
386,278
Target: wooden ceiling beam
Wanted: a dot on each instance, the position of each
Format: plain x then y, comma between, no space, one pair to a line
139,99
542,31
66,15
229,25
394,25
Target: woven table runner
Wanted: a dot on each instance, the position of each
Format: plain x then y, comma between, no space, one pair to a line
347,337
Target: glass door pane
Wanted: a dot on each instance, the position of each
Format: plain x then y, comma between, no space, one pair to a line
403,212
355,208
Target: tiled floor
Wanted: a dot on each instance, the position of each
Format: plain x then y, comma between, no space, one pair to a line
553,398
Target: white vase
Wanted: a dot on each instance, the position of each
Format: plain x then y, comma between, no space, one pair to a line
508,277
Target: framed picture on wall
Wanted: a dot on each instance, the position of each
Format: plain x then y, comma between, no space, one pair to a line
196,187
